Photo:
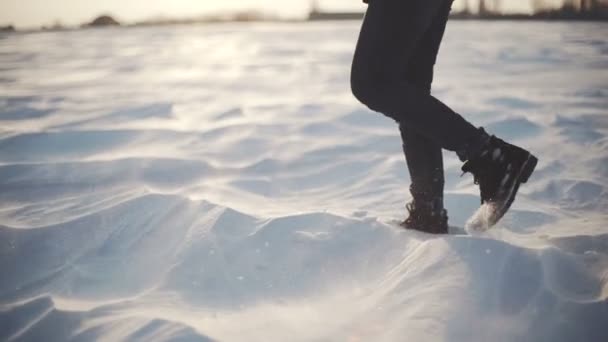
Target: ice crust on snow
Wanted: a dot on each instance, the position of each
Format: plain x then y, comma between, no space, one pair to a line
220,183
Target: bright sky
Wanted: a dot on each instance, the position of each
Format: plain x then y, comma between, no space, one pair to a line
32,13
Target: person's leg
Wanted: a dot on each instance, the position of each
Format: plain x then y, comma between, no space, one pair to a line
391,32
423,155
425,164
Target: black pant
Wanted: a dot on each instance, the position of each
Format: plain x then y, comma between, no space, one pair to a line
392,73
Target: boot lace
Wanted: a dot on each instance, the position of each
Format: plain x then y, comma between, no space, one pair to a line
482,173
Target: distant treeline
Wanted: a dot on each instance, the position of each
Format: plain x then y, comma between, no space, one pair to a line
240,16
107,20
492,10
542,10
595,10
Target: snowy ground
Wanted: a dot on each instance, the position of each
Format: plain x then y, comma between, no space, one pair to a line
221,183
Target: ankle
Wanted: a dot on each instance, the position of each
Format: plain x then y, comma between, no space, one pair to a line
474,146
428,207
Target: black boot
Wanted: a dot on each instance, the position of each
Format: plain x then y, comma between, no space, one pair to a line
499,168
425,165
428,217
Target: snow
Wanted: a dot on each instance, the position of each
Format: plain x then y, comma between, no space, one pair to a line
220,183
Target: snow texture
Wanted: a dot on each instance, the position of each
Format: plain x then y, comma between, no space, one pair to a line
220,183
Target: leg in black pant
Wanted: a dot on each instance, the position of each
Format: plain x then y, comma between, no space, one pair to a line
391,34
423,155
413,75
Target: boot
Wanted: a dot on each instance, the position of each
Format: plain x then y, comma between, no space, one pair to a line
426,217
499,168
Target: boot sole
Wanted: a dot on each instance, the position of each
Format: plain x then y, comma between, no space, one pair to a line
524,175
528,168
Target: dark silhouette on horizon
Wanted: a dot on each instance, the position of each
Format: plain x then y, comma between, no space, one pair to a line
103,20
7,28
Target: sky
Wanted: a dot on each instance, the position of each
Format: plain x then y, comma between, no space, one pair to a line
34,13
